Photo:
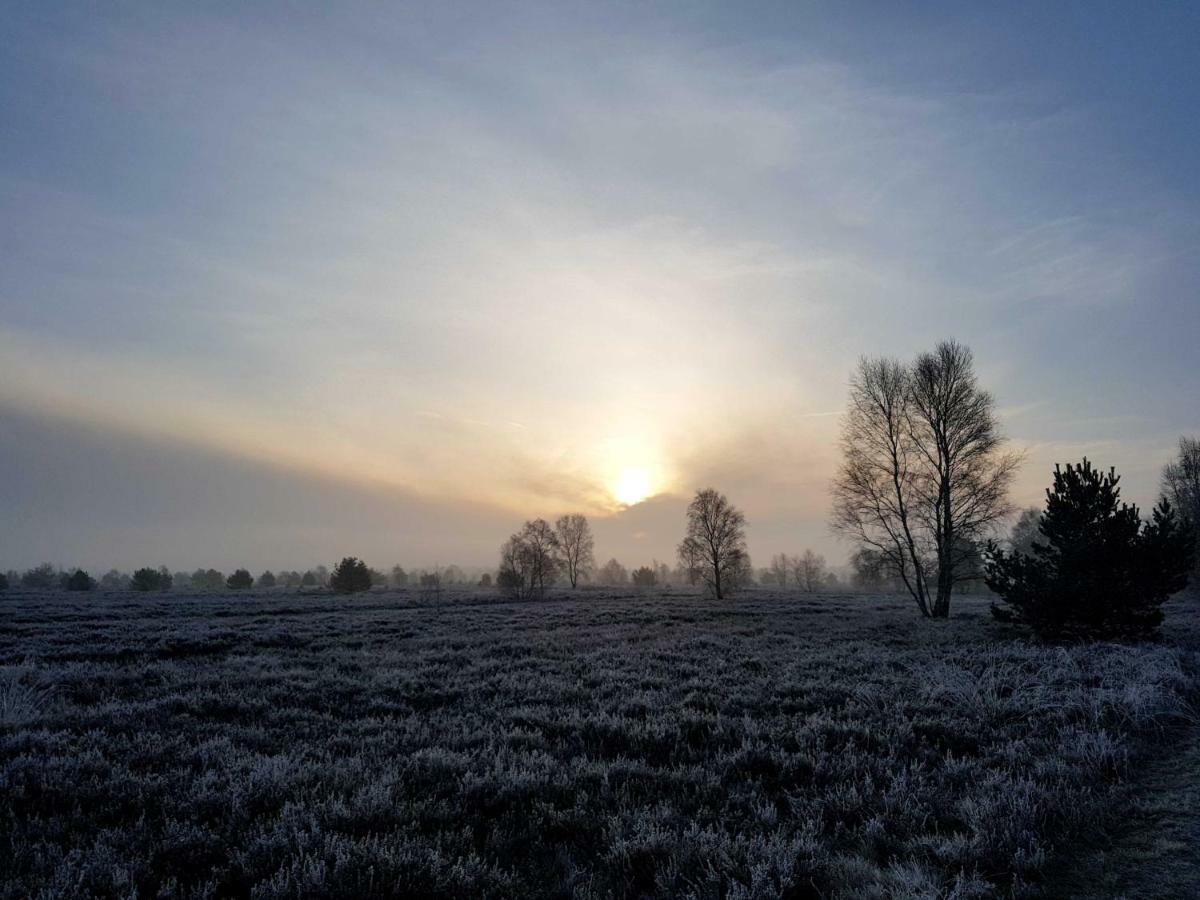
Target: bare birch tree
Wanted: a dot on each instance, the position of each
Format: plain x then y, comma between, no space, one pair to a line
923,473
576,546
809,571
716,540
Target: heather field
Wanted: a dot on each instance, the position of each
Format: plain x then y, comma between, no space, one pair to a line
599,745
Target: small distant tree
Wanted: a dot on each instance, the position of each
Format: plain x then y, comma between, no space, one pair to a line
529,560
613,574
690,562
351,576
80,580
431,583
114,580
779,572
41,577
308,579
399,577
208,580
716,537
809,571
662,572
1181,487
267,579
644,577
485,580
576,547
868,570
240,580
3,581
1096,571
322,575
1025,531
147,579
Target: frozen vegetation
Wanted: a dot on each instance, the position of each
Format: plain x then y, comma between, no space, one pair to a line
596,746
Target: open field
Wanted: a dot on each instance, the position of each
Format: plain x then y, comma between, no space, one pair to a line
602,746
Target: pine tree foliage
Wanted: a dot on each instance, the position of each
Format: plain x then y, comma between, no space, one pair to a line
1095,571
350,576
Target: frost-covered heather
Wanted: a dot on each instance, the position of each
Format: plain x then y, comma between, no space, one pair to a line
602,746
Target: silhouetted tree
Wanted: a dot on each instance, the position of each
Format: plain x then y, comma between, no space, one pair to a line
779,572
80,581
308,579
267,579
350,576
644,577
399,577
613,574
431,583
1095,571
40,577
529,560
576,546
240,580
3,581
147,579
208,580
1025,531
114,580
809,571
1181,486
923,474
485,580
716,538
869,569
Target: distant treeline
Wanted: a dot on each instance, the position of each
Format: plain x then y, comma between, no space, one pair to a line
921,493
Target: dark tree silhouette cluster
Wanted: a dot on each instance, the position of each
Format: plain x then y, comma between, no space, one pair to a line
1096,570
350,576
148,579
240,580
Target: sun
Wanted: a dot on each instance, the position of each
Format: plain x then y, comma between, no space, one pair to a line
632,485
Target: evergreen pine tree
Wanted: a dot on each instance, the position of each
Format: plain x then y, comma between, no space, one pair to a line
350,576
1094,570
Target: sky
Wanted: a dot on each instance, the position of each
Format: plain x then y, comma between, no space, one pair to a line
283,283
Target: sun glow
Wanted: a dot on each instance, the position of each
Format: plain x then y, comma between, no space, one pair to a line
632,485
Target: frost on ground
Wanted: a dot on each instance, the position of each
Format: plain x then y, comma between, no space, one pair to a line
601,746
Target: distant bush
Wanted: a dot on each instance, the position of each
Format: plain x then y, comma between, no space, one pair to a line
114,580
485,580
80,580
644,577
208,580
151,580
1096,571
40,577
267,579
240,580
308,579
350,576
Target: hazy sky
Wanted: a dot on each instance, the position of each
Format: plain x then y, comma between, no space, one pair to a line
281,284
